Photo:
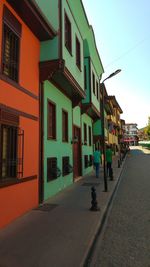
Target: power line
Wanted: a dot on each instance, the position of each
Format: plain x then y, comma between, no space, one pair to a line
127,52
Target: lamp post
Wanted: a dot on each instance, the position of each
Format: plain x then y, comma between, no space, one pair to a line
103,128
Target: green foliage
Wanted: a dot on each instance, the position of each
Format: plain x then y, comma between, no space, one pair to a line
147,129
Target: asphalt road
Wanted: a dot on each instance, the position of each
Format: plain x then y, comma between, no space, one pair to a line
125,239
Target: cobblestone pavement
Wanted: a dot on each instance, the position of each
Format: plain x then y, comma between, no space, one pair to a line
125,240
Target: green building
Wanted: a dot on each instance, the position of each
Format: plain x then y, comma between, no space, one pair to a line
70,69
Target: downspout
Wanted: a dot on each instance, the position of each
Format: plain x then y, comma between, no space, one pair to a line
81,139
60,29
41,143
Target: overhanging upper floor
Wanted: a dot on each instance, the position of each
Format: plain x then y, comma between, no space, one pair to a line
56,72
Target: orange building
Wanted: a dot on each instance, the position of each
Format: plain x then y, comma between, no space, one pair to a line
22,27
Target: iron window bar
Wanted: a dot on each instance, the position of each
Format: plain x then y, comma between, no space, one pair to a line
55,172
68,169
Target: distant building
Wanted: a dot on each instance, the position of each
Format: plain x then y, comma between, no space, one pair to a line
131,134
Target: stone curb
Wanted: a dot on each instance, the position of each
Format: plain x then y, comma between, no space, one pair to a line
88,254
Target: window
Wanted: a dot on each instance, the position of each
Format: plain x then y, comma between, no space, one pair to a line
90,142
11,143
93,83
9,151
78,53
85,134
85,77
51,120
86,161
11,146
97,89
51,169
68,41
65,165
90,160
64,126
11,45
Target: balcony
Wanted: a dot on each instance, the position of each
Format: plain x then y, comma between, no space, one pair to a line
56,72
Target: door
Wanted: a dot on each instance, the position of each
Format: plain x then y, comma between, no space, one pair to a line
77,160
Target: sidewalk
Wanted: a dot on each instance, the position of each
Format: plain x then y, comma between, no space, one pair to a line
61,234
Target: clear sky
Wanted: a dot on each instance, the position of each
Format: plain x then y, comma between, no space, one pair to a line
122,32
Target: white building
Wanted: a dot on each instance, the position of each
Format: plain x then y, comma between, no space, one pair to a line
131,133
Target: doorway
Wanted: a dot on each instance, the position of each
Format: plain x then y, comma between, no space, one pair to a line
77,160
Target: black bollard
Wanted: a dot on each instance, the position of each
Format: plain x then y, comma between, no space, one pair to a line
111,174
120,159
118,163
94,201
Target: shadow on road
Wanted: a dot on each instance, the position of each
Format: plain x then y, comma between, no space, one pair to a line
138,150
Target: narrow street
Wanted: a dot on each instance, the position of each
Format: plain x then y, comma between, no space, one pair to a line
125,239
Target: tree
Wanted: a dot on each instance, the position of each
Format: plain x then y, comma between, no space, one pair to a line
148,128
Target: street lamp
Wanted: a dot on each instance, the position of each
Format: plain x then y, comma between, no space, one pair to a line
103,128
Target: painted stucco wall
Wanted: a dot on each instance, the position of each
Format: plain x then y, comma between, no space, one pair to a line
50,10
17,200
86,149
77,116
94,99
21,197
87,33
97,128
90,49
50,48
70,59
57,148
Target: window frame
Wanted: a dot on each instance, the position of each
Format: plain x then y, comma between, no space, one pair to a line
65,126
85,134
93,82
14,27
50,177
85,77
90,135
11,160
54,122
65,161
86,163
67,33
97,89
9,169
78,53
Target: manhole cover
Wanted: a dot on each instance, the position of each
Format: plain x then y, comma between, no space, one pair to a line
46,207
91,184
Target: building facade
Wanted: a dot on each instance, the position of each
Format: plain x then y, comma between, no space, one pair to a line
70,68
50,102
114,124
19,106
131,134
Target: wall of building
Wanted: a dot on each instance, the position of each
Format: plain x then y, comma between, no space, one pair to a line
22,99
50,48
57,148
70,59
86,149
94,98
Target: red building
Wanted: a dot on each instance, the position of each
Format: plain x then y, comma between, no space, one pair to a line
22,27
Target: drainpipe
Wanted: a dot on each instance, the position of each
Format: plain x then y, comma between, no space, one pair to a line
41,143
